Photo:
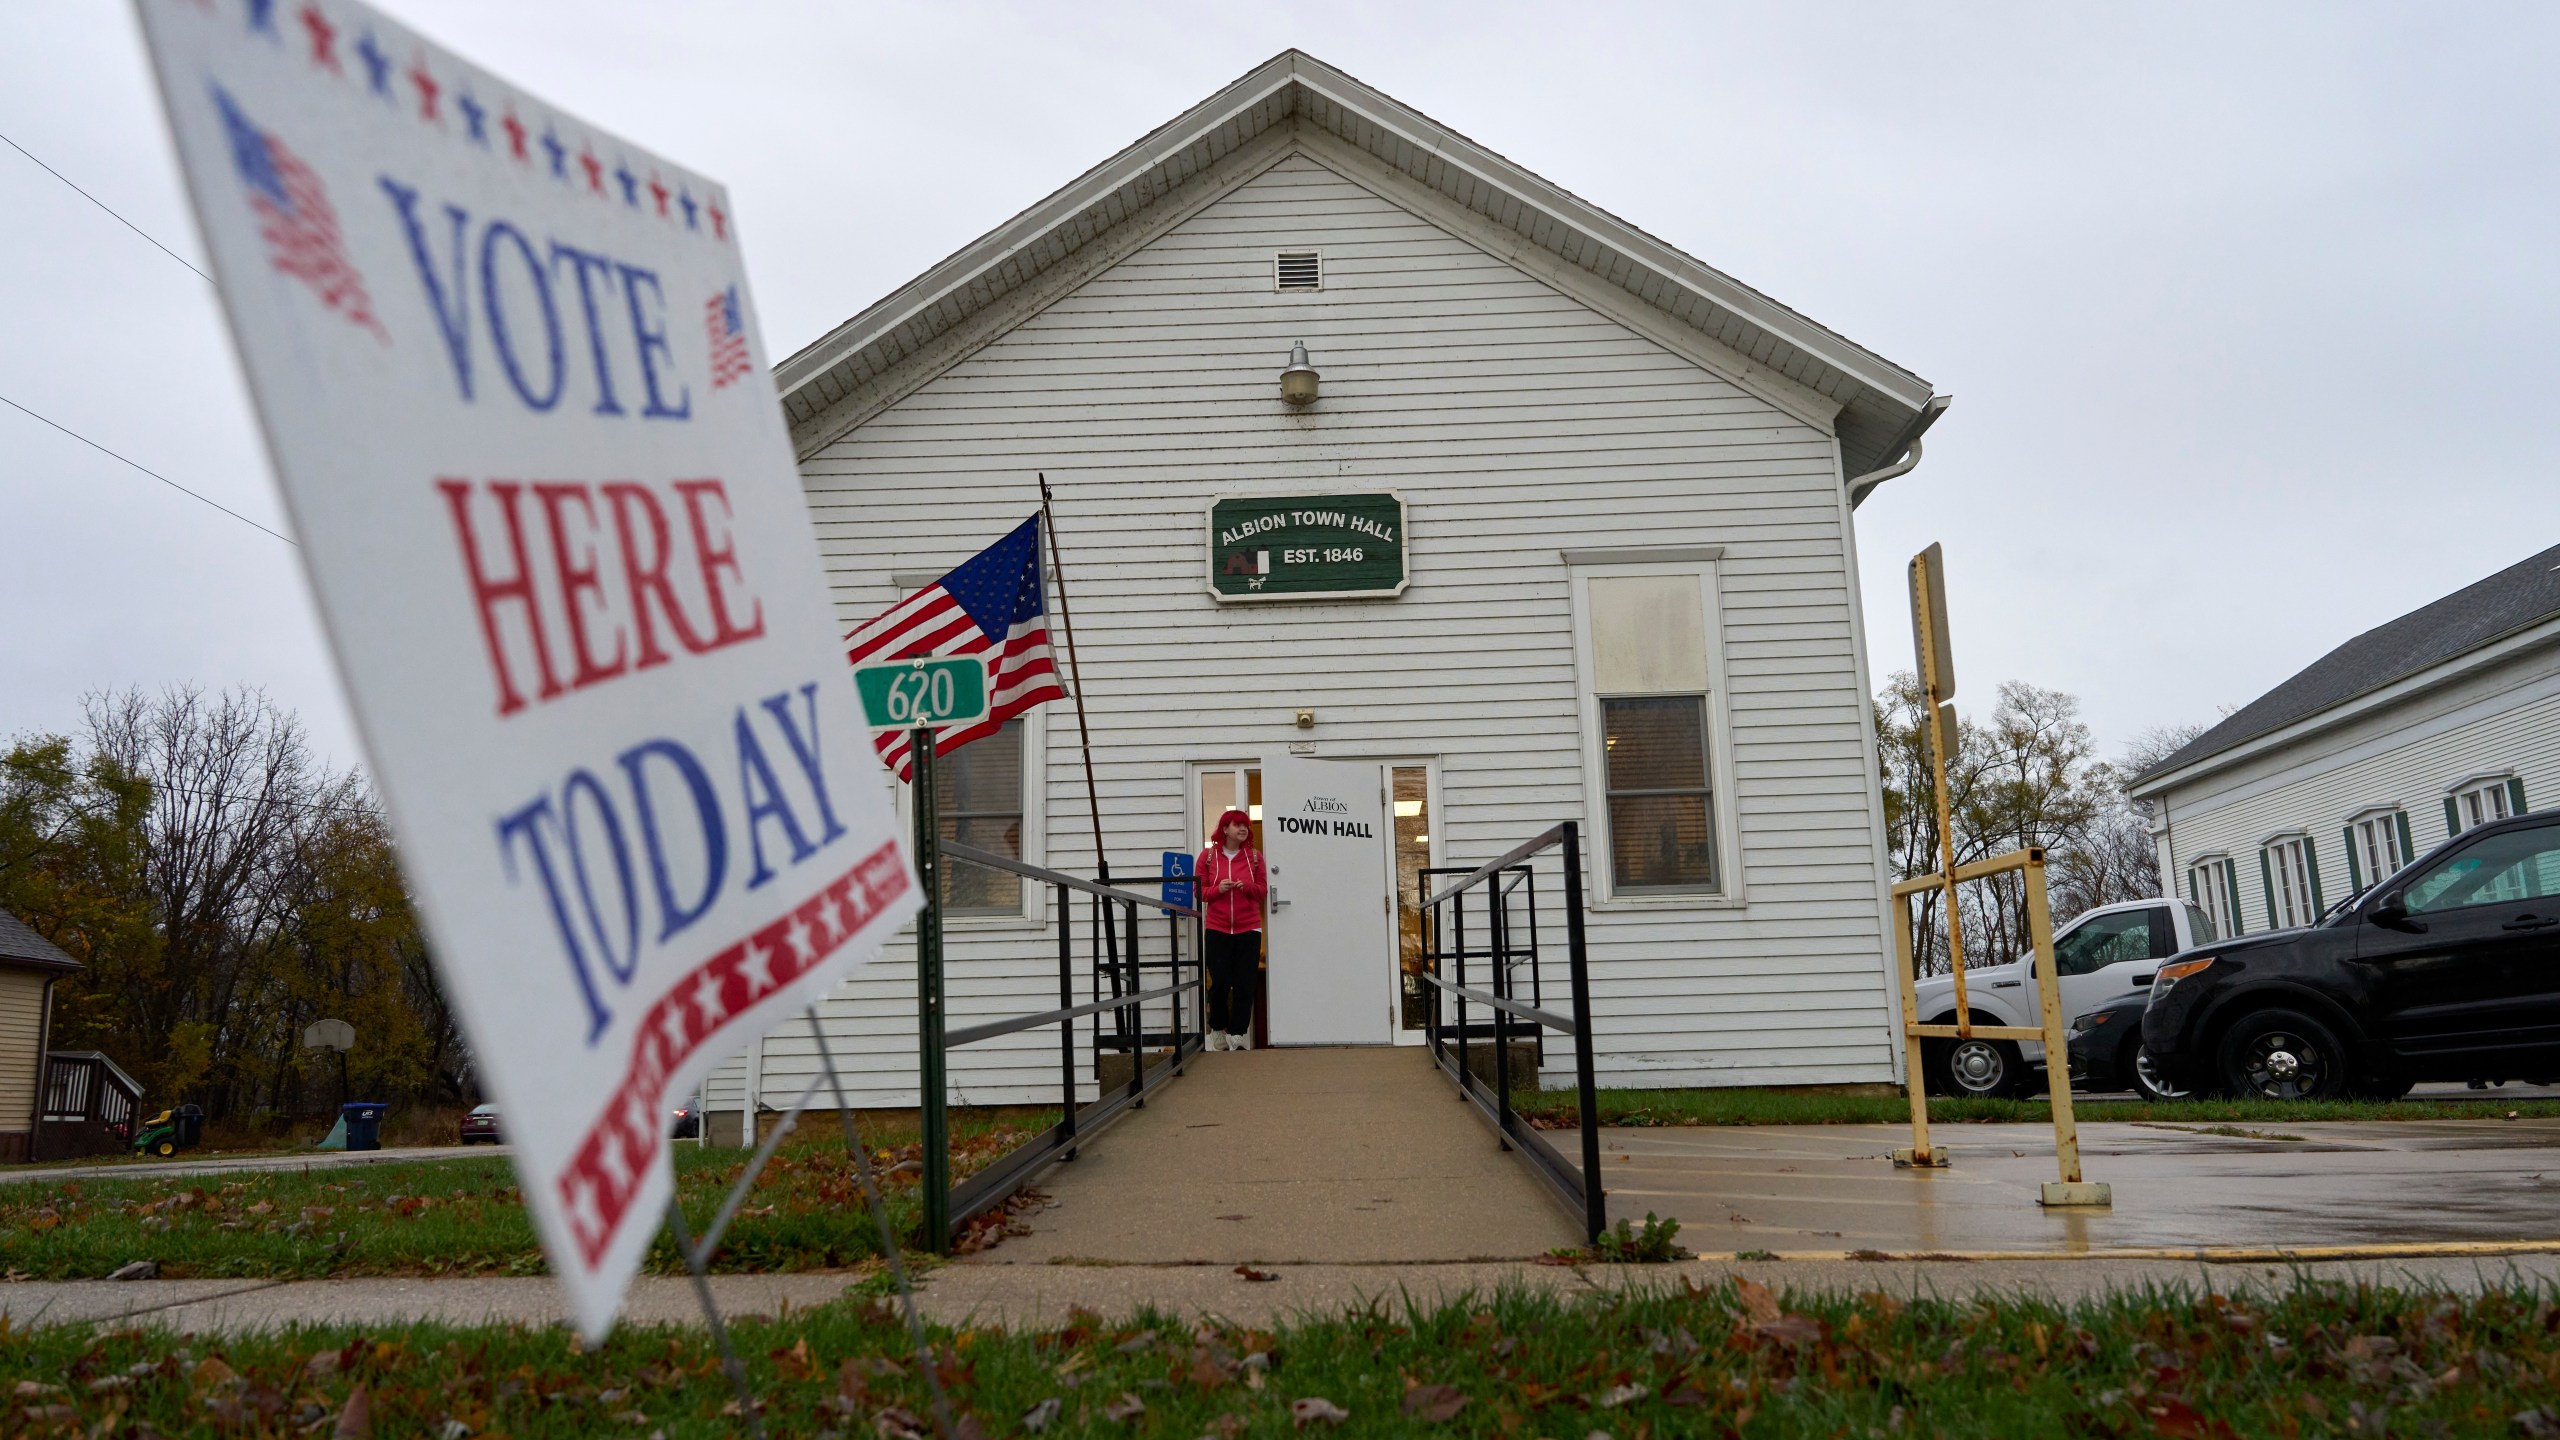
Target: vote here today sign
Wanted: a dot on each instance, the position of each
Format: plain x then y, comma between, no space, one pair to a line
510,378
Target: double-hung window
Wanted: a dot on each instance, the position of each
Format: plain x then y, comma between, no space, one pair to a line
2214,886
1656,750
2481,799
977,800
2291,870
2377,846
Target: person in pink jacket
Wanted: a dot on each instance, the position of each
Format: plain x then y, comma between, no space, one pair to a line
1233,882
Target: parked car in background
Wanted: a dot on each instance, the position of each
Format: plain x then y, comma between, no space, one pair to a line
480,1127
2447,970
2107,1054
688,1120
2100,954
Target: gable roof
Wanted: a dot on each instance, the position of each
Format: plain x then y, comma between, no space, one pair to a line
1883,407
22,946
2517,598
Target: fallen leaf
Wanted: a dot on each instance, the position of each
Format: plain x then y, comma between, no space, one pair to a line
1127,1407
355,1421
321,1366
1041,1416
1249,1273
1789,1330
1759,1305
1617,1395
37,1390
1435,1403
43,1220
1316,1410
48,1414
2174,1419
138,1270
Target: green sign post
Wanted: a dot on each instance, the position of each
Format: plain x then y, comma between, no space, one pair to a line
916,696
1307,547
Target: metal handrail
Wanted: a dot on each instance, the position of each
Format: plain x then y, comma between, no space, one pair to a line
1115,934
1582,1190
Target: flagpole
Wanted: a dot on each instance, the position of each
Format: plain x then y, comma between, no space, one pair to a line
1075,678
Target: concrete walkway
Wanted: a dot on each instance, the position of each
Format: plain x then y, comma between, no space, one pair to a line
1331,1156
1042,1296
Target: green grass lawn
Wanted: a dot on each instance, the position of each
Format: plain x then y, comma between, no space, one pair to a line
462,1216
1769,1107
1732,1359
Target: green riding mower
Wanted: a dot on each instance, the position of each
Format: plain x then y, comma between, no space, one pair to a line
170,1131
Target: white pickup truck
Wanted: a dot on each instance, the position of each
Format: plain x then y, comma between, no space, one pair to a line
2100,955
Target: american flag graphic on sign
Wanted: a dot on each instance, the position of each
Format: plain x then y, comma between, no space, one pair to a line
991,606
301,230
721,318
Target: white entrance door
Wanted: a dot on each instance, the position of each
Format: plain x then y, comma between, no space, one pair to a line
1324,827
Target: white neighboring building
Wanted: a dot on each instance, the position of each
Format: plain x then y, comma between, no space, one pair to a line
2381,750
1626,480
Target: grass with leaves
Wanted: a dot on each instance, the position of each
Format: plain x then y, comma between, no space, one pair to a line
1556,1108
1730,1359
464,1216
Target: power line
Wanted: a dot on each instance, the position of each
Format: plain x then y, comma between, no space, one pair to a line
103,205
147,470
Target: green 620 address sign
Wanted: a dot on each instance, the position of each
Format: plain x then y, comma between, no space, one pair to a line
1306,547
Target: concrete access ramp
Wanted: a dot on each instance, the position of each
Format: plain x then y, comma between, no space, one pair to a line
1294,1156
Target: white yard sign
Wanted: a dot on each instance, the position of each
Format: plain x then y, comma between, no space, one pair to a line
511,382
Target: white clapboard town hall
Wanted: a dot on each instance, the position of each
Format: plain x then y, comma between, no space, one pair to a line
1564,534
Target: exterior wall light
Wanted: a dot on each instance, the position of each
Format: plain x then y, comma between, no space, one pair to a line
1306,719
1298,382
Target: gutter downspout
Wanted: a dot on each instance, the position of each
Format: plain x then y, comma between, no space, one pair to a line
1859,486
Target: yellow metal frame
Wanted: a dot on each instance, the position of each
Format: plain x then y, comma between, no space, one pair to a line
1927,607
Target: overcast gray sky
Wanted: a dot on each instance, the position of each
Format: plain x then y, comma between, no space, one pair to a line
2247,310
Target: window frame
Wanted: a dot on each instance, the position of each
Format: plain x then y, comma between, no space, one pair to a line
2504,784
2392,822
1699,564
2219,899
2302,887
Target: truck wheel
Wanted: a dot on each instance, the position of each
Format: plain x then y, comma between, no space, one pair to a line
2283,1055
1979,1069
2148,1082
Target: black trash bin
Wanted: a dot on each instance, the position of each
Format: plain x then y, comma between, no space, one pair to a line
364,1123
190,1122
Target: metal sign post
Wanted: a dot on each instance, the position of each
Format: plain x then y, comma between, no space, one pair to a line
1929,634
931,1097
916,696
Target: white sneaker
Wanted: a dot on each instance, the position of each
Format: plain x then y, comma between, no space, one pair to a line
1217,1040
1240,1041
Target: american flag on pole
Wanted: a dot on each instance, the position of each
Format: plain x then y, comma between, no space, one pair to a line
294,215
720,318
992,606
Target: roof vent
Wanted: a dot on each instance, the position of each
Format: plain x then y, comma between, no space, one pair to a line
1298,270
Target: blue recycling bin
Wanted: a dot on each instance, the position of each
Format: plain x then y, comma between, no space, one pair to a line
363,1119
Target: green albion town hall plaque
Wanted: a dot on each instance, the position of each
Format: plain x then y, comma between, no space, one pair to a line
1306,547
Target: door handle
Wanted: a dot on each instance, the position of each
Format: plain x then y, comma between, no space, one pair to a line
2530,921
2145,979
2005,984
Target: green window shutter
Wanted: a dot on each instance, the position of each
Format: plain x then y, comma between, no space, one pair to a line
2452,818
2355,867
2267,877
2408,852
2515,794
2231,883
2311,867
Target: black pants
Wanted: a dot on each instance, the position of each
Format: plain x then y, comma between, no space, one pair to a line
1235,973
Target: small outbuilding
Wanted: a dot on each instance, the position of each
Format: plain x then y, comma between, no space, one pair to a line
29,966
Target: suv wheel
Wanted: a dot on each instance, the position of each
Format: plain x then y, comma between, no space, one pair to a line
2283,1055
1980,1069
2148,1082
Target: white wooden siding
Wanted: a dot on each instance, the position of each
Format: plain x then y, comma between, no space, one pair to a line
1517,422
21,1032
2504,718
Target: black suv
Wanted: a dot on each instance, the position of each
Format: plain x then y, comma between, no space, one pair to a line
2448,970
